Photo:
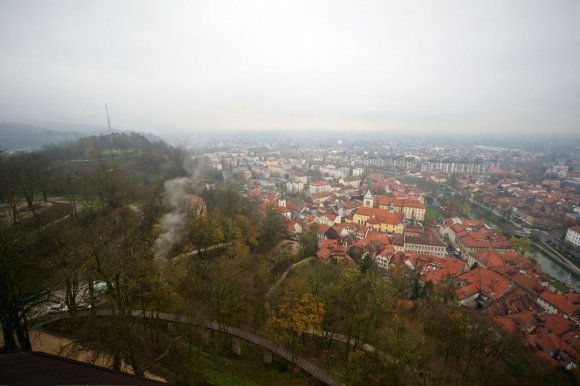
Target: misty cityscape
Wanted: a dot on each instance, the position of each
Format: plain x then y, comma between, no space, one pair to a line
290,193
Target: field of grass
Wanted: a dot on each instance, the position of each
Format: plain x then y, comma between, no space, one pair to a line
481,213
229,370
302,265
434,214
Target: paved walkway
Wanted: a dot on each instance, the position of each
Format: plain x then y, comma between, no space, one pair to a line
304,364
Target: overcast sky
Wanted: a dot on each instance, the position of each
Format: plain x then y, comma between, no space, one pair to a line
424,66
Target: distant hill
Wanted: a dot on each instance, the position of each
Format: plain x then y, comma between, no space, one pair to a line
65,126
18,136
89,129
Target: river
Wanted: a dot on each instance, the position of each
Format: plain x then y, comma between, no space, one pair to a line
552,268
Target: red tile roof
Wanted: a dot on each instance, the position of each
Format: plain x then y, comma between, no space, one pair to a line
573,297
381,238
515,258
527,282
506,323
382,215
560,302
544,343
490,258
467,291
555,323
484,240
492,284
331,244
455,267
526,319
388,250
435,268
324,253
283,209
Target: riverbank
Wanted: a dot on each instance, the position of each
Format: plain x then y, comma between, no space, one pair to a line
555,270
555,256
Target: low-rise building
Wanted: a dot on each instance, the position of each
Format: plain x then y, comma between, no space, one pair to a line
319,187
294,229
473,236
487,259
573,236
380,220
428,243
412,208
353,181
491,285
557,304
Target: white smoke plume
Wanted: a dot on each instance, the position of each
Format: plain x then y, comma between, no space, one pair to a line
176,197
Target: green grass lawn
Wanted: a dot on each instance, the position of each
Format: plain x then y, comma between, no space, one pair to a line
248,369
481,213
301,265
435,214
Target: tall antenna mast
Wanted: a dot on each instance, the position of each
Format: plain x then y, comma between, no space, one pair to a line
108,119
110,130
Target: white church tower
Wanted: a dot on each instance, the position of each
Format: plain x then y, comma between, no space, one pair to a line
368,200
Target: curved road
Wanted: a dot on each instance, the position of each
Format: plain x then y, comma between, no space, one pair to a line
265,343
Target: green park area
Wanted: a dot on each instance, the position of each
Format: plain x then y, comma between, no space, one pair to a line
491,218
434,214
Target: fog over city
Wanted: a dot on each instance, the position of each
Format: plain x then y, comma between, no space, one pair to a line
390,66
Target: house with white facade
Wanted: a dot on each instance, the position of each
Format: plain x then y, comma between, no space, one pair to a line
319,187
573,236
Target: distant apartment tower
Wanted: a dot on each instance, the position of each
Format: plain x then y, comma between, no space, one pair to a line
356,172
457,167
294,187
334,172
433,165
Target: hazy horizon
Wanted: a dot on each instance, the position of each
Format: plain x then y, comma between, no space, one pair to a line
456,67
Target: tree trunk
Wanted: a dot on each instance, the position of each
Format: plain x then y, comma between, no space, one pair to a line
8,333
44,194
70,298
14,206
91,296
29,197
23,337
117,362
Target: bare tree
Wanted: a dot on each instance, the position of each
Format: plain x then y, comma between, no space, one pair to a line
22,286
21,169
119,253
